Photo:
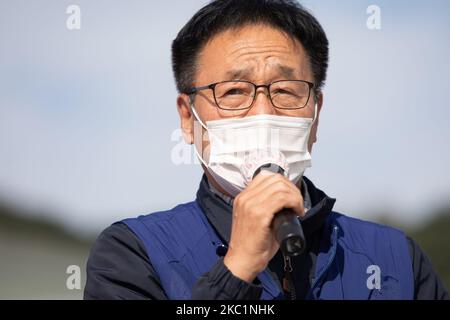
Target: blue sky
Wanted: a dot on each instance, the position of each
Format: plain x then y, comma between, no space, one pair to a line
87,116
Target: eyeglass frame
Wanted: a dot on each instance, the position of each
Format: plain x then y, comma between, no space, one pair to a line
194,90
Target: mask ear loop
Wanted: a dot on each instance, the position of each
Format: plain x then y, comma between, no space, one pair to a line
194,111
196,117
309,133
314,119
215,175
315,114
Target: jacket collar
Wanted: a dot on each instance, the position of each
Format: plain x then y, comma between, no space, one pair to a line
219,212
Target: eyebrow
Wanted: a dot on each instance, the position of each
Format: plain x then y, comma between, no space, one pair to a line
238,74
286,71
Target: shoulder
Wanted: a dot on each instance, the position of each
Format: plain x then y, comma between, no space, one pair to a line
164,224
171,233
114,237
372,245
361,226
366,236
181,211
115,243
109,275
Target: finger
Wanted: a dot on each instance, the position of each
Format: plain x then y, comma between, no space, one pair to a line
278,195
262,180
289,199
275,181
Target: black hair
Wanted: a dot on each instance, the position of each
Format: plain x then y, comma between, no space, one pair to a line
221,15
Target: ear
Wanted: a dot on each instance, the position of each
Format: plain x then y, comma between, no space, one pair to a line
313,134
186,118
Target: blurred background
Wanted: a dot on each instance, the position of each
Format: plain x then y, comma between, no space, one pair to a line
88,126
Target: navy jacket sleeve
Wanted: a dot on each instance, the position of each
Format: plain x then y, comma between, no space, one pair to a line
427,284
119,268
220,284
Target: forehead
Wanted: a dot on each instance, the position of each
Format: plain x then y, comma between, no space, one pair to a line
252,52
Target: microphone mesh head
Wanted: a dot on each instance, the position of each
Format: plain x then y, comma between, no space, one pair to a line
270,160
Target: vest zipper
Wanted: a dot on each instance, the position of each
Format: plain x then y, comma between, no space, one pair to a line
288,283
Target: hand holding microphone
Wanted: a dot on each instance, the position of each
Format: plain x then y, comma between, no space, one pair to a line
286,225
255,230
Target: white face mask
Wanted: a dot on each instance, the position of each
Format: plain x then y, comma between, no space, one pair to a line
239,146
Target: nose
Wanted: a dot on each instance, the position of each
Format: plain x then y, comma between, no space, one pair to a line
262,103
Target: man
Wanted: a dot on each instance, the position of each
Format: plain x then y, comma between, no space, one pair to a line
250,73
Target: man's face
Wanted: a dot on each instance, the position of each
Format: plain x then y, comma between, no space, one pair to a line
255,53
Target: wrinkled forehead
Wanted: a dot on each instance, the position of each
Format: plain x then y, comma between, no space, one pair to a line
252,51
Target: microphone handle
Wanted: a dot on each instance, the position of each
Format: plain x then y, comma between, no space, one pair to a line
288,230
289,233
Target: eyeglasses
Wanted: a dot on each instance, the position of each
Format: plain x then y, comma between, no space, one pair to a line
240,95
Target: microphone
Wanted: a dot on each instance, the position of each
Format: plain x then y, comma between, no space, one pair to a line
287,227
